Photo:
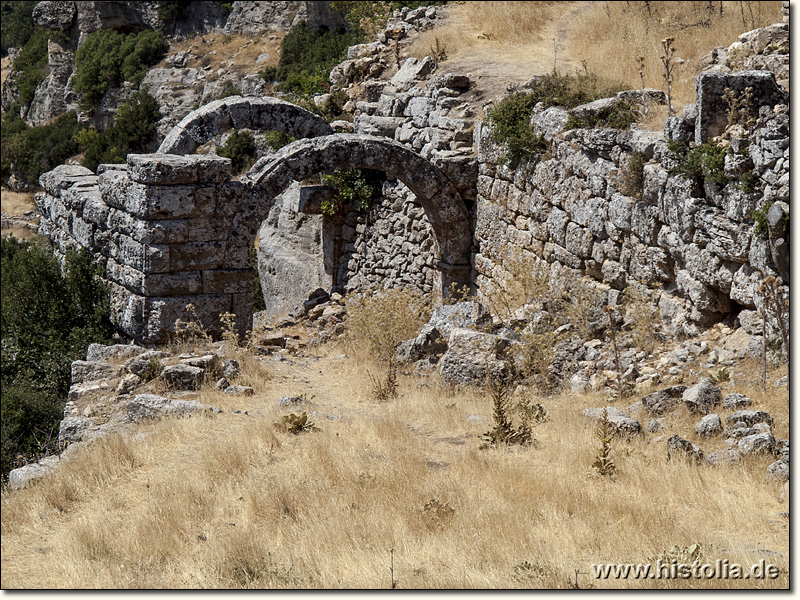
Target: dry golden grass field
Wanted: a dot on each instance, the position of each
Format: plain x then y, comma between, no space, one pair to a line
510,42
399,493
229,501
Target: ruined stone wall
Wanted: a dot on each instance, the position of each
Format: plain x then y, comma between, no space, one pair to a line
696,240
391,245
160,228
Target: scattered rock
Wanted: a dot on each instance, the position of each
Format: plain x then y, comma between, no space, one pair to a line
152,406
624,424
183,377
231,369
760,443
736,401
677,446
239,390
708,426
663,401
749,417
702,397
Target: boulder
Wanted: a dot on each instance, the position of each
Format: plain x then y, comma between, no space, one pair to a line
677,446
760,443
736,401
151,406
663,401
708,426
84,371
623,423
183,377
101,352
703,396
749,417
471,357
54,15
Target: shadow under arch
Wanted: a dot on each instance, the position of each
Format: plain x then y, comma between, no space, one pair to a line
300,160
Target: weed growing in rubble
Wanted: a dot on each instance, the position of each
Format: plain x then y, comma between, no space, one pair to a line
504,432
377,321
385,389
191,332
605,432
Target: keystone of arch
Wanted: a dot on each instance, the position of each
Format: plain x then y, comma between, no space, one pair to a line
240,112
443,205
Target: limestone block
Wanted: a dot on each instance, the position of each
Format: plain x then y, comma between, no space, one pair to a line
227,281
63,177
710,88
197,256
162,313
578,240
159,232
153,202
143,257
172,284
126,276
84,371
173,169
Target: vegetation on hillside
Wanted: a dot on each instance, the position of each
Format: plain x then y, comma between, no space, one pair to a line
49,318
108,58
307,57
16,23
133,131
36,150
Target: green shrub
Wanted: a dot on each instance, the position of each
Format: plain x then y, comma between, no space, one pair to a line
107,59
620,115
703,162
36,150
277,139
49,318
133,130
510,118
32,64
16,24
307,57
241,149
352,187
172,10
510,121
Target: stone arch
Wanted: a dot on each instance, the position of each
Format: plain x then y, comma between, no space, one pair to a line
441,201
239,112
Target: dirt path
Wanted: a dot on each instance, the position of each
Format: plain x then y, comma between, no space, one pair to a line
493,67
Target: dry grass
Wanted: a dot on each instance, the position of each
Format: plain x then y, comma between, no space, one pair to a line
226,501
234,53
495,23
16,204
612,35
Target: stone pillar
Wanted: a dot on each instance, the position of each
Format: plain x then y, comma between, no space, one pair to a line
171,220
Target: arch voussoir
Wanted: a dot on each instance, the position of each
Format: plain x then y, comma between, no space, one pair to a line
441,201
240,112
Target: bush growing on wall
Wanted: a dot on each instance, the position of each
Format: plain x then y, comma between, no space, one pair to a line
49,318
510,118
